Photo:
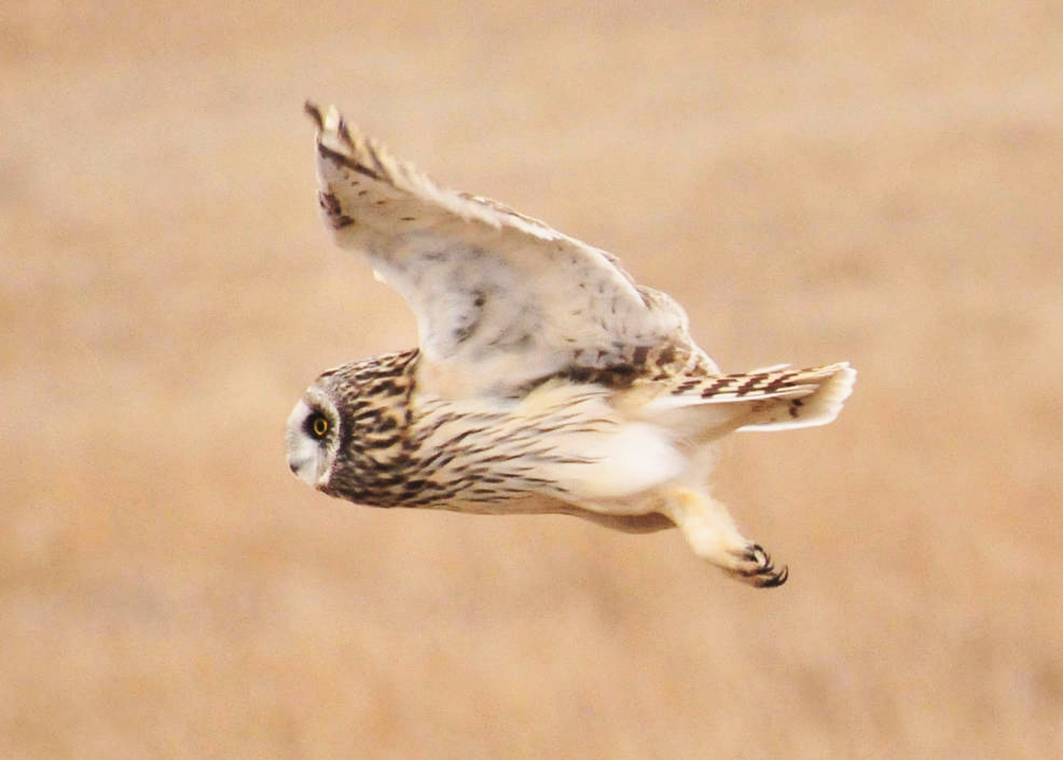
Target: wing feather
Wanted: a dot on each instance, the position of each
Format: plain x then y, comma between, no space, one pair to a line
501,298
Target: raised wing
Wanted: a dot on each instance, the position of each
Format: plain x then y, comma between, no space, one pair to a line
501,299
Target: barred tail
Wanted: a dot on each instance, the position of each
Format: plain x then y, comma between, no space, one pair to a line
775,398
823,393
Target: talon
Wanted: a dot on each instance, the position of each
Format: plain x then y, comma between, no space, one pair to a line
760,570
775,579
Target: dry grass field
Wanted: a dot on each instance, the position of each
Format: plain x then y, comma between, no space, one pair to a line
815,181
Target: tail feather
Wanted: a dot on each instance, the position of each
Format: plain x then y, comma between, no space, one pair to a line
775,398
820,404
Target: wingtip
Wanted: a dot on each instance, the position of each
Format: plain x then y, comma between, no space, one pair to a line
311,109
330,123
341,126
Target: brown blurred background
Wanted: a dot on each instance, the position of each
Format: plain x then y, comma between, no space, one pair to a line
814,181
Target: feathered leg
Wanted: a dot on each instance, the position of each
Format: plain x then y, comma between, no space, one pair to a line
712,535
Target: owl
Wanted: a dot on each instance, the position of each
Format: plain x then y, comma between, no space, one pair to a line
546,380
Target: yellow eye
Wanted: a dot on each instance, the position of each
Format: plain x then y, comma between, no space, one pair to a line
320,426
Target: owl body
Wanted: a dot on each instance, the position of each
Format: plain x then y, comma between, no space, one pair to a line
559,446
546,380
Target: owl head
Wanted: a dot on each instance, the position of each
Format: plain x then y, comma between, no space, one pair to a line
348,427
313,436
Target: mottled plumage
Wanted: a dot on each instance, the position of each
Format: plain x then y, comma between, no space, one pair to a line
546,380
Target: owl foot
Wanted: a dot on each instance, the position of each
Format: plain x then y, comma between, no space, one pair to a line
753,565
713,536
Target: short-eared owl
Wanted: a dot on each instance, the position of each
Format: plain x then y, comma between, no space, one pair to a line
546,380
